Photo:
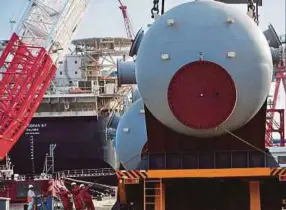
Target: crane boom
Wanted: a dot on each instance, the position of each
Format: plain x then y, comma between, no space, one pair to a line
50,24
28,63
127,22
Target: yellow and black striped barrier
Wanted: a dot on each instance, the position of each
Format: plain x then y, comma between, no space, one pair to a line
132,176
278,172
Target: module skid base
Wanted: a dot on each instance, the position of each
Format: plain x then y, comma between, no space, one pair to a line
204,189
192,173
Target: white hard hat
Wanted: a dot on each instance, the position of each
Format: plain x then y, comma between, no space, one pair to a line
82,185
72,184
30,186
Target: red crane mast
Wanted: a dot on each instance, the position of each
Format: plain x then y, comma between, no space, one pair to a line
127,23
271,125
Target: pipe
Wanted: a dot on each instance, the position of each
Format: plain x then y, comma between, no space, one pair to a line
126,73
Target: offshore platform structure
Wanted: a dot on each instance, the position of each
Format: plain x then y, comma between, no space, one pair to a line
99,64
200,130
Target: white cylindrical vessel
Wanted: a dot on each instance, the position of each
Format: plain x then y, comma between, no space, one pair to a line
135,94
204,67
131,136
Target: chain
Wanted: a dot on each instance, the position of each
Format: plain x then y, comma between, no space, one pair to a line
155,9
252,11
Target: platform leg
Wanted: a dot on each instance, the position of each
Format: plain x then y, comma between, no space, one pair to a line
254,192
122,192
160,196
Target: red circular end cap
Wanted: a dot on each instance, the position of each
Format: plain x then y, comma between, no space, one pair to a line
202,95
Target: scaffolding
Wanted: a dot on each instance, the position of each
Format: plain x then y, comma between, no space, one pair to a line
49,166
93,91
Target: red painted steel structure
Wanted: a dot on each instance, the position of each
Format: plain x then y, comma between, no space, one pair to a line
274,127
271,125
26,74
127,23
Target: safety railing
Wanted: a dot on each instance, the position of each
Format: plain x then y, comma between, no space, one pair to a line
85,173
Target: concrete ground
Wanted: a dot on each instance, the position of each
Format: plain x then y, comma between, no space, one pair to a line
106,204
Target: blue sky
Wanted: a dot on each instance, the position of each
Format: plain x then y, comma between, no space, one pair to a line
104,18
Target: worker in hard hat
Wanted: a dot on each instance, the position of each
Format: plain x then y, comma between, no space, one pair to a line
64,195
78,203
86,197
31,197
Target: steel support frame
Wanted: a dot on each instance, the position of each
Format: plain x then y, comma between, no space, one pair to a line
156,199
280,78
252,176
26,74
277,128
254,192
159,197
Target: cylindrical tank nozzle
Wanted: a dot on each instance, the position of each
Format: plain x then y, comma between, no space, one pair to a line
126,73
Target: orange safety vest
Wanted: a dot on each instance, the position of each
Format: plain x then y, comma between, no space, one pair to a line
29,199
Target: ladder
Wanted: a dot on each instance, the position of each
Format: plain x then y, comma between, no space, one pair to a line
49,165
153,194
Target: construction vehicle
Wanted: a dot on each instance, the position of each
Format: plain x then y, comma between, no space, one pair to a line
204,72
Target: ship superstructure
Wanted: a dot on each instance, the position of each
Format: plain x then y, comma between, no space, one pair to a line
86,81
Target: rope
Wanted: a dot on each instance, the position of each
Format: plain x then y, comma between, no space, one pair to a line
246,142
130,159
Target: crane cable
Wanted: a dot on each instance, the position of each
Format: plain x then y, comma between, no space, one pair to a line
155,8
163,7
130,159
246,142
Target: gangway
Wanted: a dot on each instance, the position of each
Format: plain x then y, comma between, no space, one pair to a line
97,185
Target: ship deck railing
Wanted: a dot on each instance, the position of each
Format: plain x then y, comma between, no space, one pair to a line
86,173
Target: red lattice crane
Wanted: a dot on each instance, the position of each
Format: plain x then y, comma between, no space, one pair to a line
271,125
275,124
127,22
28,63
